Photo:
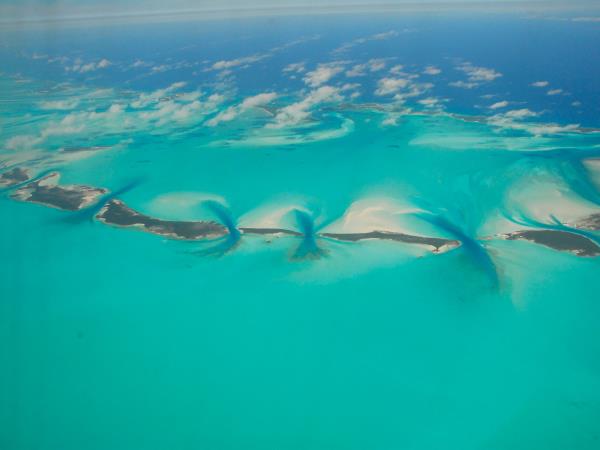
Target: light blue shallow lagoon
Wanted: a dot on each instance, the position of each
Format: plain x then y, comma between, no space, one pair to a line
466,127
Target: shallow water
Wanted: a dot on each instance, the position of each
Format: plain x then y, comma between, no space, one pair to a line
125,340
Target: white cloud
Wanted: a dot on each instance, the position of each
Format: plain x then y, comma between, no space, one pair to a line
397,69
376,64
350,87
586,19
295,42
552,128
246,61
147,98
384,35
432,70
115,108
373,65
189,96
463,84
298,67
22,142
576,104
513,120
401,88
387,86
224,116
139,63
161,110
481,73
430,102
59,104
172,111
475,76
375,37
540,84
300,111
322,74
233,111
258,100
160,68
357,71
554,92
101,93
216,99
79,67
70,124
391,119
61,60
498,105
522,113
228,64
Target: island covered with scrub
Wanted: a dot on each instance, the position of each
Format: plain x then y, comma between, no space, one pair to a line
46,190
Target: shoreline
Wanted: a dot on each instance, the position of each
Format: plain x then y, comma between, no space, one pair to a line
47,191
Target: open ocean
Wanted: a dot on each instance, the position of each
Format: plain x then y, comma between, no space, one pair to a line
121,339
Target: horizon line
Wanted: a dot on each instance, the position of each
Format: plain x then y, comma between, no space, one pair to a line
209,13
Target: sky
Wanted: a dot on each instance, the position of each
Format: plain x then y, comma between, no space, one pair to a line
23,10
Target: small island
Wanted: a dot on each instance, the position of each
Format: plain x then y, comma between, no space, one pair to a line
269,231
590,223
14,176
46,191
118,214
563,241
439,245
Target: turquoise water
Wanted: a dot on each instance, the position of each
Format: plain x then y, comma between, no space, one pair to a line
119,339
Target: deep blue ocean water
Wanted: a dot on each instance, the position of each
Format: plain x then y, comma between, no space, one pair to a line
119,339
